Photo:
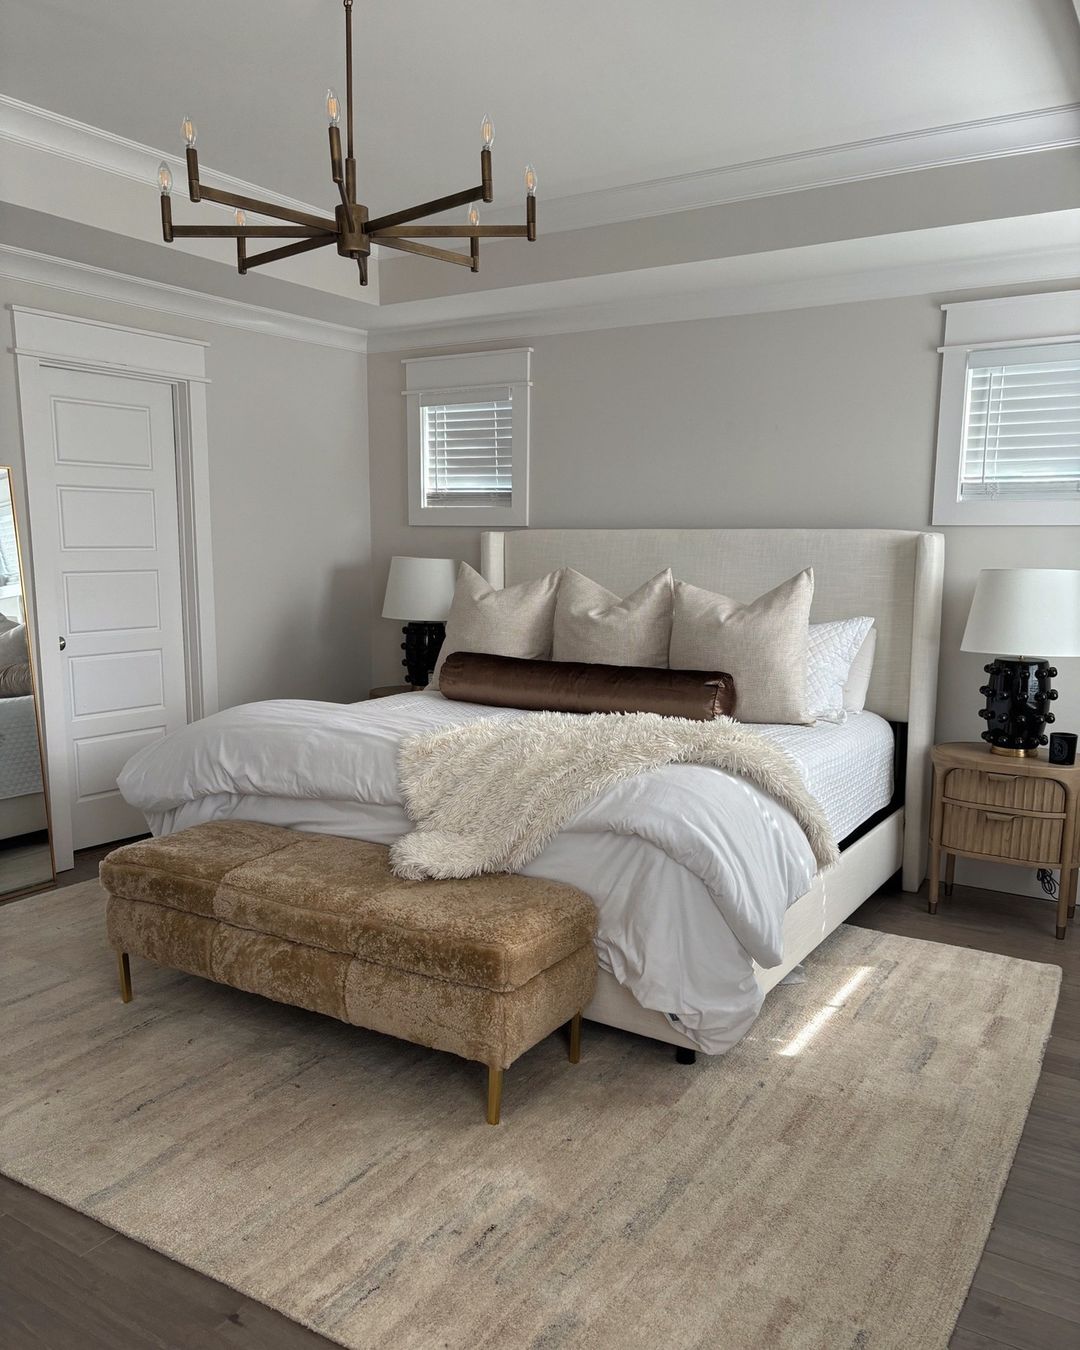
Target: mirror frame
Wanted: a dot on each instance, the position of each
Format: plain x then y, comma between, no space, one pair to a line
31,632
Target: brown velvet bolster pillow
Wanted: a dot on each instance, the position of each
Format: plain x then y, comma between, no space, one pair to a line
578,687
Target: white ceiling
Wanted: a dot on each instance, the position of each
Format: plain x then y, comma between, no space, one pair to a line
597,94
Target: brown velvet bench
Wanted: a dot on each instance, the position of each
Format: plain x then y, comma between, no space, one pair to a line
484,967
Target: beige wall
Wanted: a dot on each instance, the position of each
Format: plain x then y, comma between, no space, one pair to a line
289,480
823,417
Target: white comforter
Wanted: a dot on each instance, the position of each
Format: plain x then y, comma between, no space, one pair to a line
692,869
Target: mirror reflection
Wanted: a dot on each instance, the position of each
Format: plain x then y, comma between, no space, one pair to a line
26,861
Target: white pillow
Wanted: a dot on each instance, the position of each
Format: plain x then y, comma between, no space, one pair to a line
858,680
831,653
514,621
595,625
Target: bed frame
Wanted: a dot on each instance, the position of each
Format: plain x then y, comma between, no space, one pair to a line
895,575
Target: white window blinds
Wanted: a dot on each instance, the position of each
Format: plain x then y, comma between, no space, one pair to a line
1021,434
467,447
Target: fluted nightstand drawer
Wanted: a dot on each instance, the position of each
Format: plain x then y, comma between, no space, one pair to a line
1002,834
1010,791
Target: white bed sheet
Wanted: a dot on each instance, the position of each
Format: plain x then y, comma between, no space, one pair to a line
660,931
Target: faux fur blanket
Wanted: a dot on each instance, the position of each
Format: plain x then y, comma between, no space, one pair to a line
489,795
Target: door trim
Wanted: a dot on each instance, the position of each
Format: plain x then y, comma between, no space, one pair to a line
47,340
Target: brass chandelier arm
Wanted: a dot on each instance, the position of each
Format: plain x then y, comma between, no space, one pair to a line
450,232
475,194
337,173
261,208
286,251
426,251
254,232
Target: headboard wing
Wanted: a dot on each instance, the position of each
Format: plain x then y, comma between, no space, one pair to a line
894,575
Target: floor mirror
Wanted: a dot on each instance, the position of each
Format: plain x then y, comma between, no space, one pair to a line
26,856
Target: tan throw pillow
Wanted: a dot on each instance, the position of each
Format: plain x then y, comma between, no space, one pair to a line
763,645
516,621
592,624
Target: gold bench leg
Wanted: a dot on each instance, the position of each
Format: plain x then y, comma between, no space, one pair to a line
575,1039
494,1105
124,966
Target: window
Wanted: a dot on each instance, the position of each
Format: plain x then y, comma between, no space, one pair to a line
1022,423
468,438
1009,425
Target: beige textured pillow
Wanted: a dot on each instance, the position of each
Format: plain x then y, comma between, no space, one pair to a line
516,621
592,624
13,651
762,645
15,681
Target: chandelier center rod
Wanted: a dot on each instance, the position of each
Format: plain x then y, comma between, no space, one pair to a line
348,76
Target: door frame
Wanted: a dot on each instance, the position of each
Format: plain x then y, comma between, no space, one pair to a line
45,340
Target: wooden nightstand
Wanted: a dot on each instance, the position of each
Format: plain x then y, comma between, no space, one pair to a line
385,690
1024,811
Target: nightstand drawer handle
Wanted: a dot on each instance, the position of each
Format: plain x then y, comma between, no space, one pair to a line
1002,777
998,816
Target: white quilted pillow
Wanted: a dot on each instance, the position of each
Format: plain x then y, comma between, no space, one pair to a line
832,648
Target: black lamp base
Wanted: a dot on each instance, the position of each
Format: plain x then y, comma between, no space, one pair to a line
1017,695
423,642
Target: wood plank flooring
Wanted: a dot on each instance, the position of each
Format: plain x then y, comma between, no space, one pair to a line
69,1283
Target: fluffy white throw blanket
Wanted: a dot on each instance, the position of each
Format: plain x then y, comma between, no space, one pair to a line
489,795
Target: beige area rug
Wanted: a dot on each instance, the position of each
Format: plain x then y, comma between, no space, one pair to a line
828,1184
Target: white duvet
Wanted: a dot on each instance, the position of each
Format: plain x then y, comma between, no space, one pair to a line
691,868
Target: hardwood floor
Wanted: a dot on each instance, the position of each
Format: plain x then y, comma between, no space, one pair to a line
69,1283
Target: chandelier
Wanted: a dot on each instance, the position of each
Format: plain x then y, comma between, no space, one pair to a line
351,230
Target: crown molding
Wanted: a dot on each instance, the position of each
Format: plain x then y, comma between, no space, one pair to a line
722,300
828,166
54,134
75,278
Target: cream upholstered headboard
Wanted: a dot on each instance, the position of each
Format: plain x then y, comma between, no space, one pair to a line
895,575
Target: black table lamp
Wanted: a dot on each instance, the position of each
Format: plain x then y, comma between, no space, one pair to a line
1022,610
419,590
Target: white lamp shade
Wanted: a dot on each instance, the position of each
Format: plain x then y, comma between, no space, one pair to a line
1025,611
419,590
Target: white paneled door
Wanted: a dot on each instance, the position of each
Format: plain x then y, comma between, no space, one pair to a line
102,486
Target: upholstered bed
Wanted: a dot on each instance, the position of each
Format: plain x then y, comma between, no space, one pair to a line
694,870
894,575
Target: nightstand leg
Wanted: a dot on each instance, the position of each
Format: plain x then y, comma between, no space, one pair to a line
936,812
950,872
1066,884
1072,895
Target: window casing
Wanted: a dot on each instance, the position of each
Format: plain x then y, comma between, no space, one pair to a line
1009,424
468,438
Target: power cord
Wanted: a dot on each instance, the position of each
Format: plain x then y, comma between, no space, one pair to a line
1046,880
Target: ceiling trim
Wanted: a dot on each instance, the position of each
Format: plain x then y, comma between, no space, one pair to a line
728,300
828,166
76,278
55,134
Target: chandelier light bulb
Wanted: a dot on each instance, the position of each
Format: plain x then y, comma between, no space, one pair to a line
487,131
164,178
333,108
474,216
530,180
240,218
187,128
